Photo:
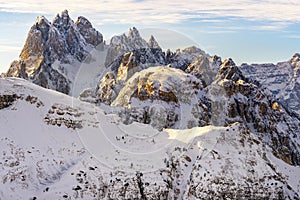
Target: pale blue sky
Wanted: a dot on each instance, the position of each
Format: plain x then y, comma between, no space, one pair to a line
247,30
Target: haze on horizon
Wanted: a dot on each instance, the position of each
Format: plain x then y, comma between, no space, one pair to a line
248,31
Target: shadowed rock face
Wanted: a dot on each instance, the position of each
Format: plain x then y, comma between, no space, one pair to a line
61,41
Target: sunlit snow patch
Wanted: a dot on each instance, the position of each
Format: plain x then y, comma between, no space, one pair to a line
188,135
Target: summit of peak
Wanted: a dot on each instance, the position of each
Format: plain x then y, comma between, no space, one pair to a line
295,61
65,13
133,32
151,38
228,62
90,34
41,20
230,71
296,57
82,21
153,43
62,20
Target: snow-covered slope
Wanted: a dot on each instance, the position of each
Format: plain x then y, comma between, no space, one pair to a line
282,79
68,149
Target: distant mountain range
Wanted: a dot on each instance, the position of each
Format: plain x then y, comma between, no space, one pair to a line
128,120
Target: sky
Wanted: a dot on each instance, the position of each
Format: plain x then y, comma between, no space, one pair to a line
249,31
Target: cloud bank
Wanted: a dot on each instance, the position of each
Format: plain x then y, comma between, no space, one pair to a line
156,11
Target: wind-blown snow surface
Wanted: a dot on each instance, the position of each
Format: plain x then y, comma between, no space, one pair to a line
53,146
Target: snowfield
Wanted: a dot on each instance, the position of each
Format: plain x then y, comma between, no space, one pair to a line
54,146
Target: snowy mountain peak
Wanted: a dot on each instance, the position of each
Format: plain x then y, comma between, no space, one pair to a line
65,13
282,79
135,38
153,43
84,22
216,60
133,33
63,21
228,70
41,20
90,34
50,47
228,62
121,44
295,59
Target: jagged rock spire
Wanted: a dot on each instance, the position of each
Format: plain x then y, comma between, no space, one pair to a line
230,71
125,43
62,22
90,34
295,59
133,32
153,43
